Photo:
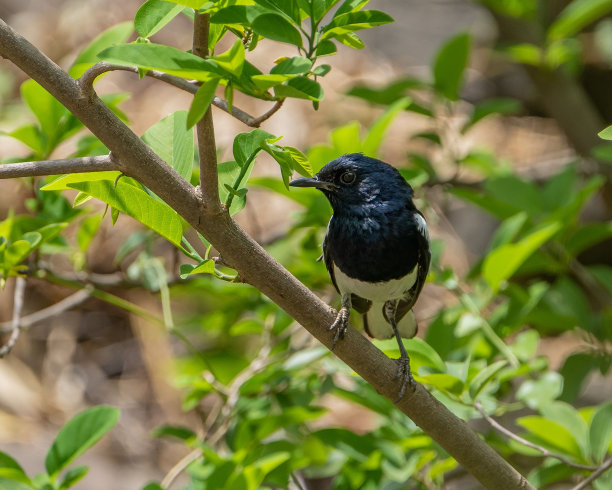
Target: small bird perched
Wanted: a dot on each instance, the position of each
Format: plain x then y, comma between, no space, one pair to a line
376,248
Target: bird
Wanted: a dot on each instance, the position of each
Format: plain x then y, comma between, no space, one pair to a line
376,249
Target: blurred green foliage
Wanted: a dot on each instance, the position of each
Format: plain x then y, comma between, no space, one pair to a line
263,387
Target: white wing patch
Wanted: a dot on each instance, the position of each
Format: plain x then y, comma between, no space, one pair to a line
422,226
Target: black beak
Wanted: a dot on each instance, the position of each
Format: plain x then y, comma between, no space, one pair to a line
312,182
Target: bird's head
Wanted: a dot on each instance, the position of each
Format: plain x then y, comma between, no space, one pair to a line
354,180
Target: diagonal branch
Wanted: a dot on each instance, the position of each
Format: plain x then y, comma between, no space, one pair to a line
261,270
605,466
53,167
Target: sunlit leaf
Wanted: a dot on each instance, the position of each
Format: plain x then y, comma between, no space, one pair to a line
450,64
78,435
153,15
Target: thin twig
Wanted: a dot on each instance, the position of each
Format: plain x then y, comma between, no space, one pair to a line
52,167
605,466
18,295
267,115
527,443
179,467
51,311
87,79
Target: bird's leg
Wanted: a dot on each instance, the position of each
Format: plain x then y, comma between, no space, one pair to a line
341,321
403,371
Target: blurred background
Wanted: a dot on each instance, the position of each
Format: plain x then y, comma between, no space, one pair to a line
96,352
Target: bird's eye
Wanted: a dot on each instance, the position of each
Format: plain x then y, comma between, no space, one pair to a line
348,177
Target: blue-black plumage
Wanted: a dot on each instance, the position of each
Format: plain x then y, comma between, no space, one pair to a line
376,248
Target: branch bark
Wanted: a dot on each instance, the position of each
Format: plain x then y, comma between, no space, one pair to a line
205,130
88,78
260,269
53,167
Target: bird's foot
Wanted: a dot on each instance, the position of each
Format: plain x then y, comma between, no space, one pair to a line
405,375
340,325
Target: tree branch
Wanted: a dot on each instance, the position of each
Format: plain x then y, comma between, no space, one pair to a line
205,130
258,268
51,311
88,78
605,466
53,167
17,307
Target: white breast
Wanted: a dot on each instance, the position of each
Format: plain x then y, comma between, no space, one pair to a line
375,291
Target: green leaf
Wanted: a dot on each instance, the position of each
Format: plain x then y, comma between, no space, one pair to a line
11,470
574,371
201,102
192,4
87,230
326,48
173,141
588,235
78,435
349,39
442,381
504,105
205,267
538,393
600,432
248,144
29,135
484,377
238,14
154,15
292,66
576,16
450,64
89,56
72,476
153,486
48,110
232,60
277,28
549,434
264,82
233,176
508,230
301,88
10,484
136,203
420,352
178,431
353,21
504,261
376,134
606,134
170,60
63,183
567,416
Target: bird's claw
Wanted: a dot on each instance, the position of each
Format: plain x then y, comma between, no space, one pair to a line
340,325
405,375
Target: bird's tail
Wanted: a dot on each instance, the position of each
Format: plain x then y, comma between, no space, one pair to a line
377,326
